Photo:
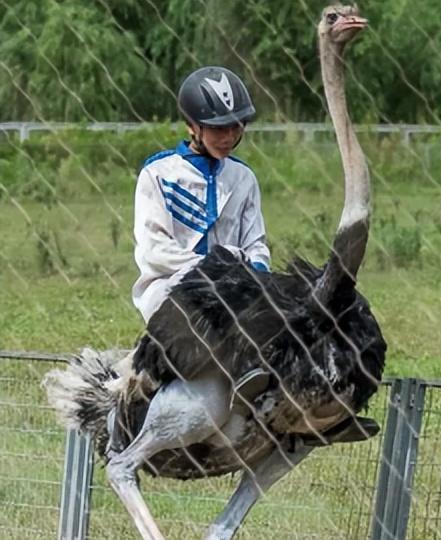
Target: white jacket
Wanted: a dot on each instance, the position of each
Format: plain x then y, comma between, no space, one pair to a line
186,203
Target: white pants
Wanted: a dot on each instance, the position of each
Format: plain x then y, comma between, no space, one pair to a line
152,298
155,294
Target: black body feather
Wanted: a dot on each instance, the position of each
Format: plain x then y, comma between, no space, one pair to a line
226,313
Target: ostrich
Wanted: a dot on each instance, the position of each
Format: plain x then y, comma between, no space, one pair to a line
242,370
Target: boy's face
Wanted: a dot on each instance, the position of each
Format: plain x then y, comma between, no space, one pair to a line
219,141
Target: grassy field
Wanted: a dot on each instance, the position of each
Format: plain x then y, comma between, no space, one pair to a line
66,282
66,269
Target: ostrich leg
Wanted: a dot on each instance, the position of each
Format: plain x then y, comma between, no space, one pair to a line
180,414
251,487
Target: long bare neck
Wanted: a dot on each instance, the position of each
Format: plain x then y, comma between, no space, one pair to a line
352,232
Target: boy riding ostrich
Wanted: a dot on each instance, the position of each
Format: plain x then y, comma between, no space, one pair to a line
242,369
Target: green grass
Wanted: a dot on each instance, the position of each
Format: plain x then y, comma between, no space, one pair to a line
66,270
76,290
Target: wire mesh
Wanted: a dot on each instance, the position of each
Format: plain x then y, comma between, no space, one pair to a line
425,516
331,494
66,247
31,454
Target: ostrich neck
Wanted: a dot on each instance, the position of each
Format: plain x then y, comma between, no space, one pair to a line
354,163
351,237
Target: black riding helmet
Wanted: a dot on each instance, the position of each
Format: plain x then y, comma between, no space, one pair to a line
215,97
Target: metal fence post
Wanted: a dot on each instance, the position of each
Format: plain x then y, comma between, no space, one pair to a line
400,450
76,489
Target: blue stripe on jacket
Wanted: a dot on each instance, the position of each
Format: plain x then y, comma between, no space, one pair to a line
185,220
188,209
184,193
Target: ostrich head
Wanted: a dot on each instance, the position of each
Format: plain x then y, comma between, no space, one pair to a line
339,24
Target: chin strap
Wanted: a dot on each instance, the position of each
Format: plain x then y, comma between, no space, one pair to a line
238,140
198,144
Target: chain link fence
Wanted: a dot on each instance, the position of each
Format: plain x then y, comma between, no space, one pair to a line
88,91
335,493
425,516
65,277
31,454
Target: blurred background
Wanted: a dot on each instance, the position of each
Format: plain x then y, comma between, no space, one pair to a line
87,92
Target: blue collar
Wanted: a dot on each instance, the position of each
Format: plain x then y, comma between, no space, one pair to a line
207,165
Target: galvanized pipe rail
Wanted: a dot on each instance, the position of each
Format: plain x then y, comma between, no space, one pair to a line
33,355
76,489
399,459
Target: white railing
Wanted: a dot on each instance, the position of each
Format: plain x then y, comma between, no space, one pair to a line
307,129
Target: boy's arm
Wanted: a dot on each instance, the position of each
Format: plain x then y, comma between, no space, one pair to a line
252,236
157,253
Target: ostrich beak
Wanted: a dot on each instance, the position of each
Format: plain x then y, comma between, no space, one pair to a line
350,22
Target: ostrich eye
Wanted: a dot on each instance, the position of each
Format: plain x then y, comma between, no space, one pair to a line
331,18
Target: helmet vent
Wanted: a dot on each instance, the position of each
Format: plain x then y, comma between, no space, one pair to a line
209,99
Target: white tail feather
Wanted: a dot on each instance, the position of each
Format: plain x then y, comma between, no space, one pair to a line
82,395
